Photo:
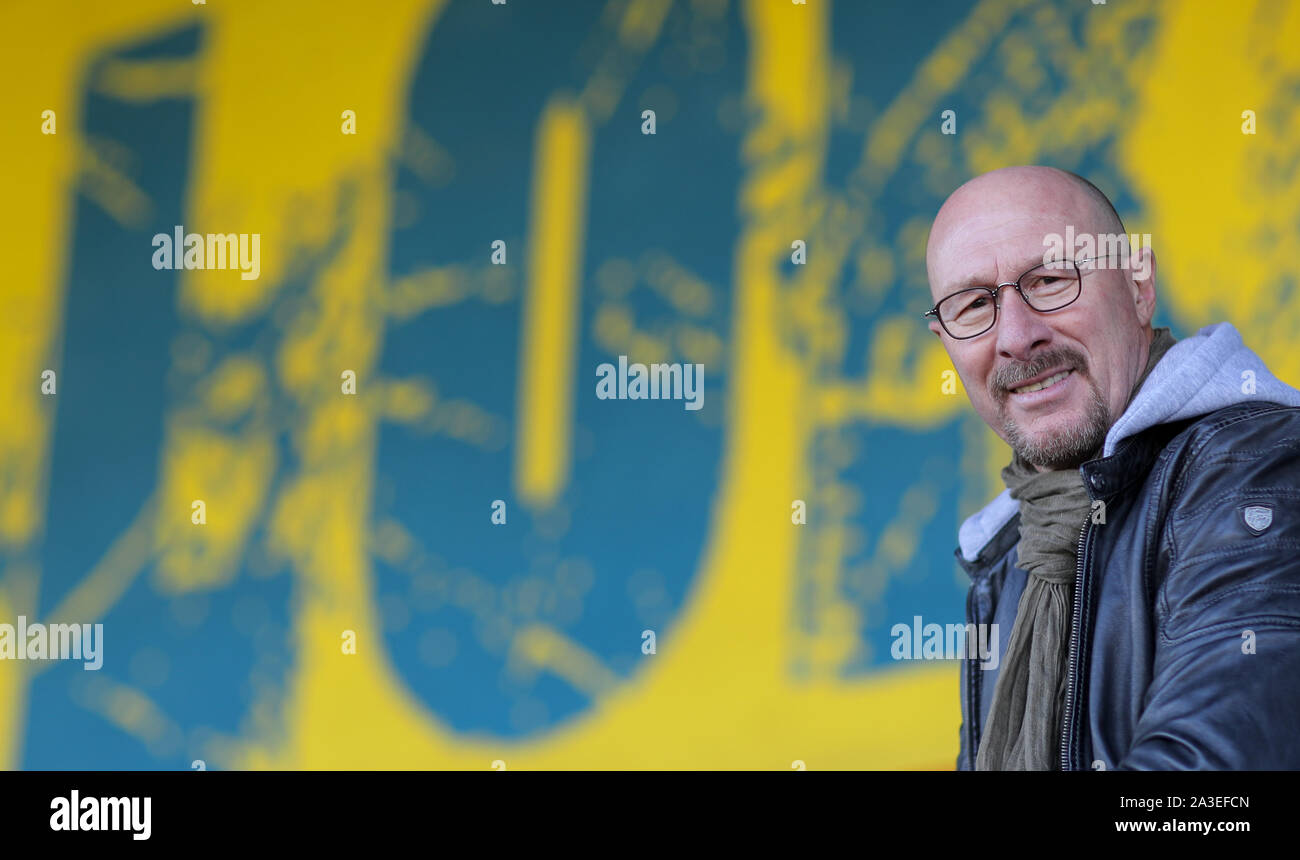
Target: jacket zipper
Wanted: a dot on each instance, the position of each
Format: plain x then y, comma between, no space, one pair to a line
972,711
1075,626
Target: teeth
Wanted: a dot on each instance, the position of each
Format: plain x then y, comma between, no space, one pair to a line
1038,386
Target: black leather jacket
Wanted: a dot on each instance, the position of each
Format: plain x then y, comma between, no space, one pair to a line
1185,642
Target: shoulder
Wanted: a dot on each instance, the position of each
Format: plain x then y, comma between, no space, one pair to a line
1226,441
1232,484
1245,420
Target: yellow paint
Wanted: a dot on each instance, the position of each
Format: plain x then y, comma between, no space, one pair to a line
134,713
1222,212
148,80
13,695
43,71
939,73
548,353
721,691
542,647
104,585
231,474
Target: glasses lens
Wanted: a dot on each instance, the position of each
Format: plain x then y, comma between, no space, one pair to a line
967,313
1051,286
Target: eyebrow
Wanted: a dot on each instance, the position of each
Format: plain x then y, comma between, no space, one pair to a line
977,281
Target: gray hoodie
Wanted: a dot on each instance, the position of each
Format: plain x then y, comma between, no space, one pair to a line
1198,375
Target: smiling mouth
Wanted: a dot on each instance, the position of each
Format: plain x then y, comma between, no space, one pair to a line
1042,383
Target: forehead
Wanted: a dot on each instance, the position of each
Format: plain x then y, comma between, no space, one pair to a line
989,237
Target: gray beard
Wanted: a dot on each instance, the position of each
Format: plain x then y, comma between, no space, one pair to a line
1068,449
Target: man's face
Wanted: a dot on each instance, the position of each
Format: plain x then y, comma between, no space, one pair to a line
990,232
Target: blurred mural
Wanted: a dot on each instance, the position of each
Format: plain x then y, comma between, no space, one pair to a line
522,645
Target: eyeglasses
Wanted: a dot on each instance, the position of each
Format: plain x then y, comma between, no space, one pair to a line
1047,287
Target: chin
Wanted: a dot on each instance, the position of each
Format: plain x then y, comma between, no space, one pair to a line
1044,429
1064,442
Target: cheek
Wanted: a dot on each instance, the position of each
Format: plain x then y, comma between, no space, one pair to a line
974,372
974,379
1118,313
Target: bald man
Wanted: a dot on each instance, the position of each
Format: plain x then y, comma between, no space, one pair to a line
1143,564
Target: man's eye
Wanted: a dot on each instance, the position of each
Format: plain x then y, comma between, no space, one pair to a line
1050,284
967,308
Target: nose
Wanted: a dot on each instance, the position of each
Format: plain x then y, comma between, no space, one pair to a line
1021,329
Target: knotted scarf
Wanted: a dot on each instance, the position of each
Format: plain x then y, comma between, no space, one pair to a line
1024,719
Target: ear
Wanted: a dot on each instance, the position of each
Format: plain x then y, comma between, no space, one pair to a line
1143,265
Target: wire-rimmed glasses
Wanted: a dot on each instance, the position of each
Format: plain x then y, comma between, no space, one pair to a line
1046,287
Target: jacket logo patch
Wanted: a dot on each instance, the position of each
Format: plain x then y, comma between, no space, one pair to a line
1257,517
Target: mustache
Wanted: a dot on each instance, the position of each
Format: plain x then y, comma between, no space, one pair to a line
1014,373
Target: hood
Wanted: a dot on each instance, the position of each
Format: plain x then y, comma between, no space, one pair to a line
1198,375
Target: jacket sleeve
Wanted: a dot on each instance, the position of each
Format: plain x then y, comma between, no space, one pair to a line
1225,688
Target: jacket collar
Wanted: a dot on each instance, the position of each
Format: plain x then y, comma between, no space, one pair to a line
1117,474
990,532
984,524
1200,374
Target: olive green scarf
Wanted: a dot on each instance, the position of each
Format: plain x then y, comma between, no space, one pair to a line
1024,720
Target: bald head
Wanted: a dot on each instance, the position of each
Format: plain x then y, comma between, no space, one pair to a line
1035,189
